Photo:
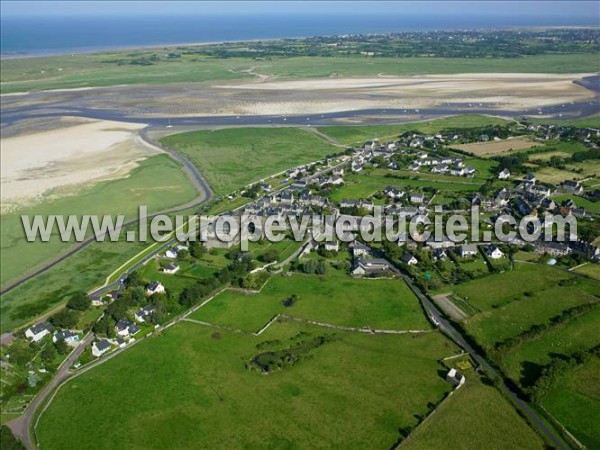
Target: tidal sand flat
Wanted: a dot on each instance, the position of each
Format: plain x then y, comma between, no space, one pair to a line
57,161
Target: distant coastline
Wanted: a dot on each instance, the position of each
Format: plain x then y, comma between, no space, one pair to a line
29,38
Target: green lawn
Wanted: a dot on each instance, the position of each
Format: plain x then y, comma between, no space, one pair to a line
583,122
523,362
591,270
88,70
158,182
336,298
232,158
476,416
575,402
359,134
363,185
80,272
502,288
195,392
518,316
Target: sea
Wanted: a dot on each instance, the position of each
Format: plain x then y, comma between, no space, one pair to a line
37,36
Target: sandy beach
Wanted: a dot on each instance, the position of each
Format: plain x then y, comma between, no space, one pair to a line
62,160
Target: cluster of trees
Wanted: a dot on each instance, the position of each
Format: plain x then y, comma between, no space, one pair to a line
450,44
312,266
68,317
236,273
8,441
134,295
270,255
513,163
593,153
473,134
278,359
556,369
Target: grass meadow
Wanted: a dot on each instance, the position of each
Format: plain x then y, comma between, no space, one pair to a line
499,289
363,185
351,135
476,416
189,388
523,362
335,298
158,182
91,70
233,158
575,402
518,316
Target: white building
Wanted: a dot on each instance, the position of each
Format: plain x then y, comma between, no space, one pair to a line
493,252
99,348
504,175
170,268
155,287
38,332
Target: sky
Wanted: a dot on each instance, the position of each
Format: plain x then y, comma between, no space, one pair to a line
566,9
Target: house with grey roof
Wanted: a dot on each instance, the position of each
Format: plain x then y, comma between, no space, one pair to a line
39,331
368,267
99,348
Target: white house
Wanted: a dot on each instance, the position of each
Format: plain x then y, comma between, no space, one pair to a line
98,301
439,254
572,186
38,331
99,348
170,268
467,250
171,253
493,252
331,246
455,378
370,266
359,249
155,287
126,328
504,175
409,259
417,198
70,338
142,313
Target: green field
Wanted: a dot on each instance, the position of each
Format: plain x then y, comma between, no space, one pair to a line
591,270
476,416
575,402
82,271
88,70
498,289
336,298
233,158
363,185
359,134
583,122
524,361
518,316
581,202
158,182
195,392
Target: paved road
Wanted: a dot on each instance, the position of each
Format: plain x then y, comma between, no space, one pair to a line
22,424
205,194
447,328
